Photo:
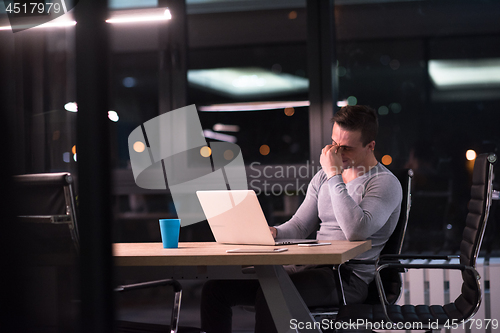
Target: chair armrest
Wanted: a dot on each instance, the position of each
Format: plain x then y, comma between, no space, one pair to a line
388,257
176,309
54,219
360,262
432,266
380,287
174,283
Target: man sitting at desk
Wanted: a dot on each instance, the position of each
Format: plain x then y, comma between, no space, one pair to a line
355,197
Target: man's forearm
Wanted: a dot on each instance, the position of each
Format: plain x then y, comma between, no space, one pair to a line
360,221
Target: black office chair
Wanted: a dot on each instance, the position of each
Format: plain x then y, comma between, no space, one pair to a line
47,209
136,327
46,201
46,216
391,278
436,317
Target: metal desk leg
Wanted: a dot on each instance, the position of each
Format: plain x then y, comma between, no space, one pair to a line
283,299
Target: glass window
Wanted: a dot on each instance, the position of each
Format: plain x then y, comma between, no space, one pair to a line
134,96
436,96
251,77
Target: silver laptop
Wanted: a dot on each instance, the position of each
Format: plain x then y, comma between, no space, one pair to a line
235,217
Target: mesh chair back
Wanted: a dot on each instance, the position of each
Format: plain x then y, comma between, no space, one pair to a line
479,205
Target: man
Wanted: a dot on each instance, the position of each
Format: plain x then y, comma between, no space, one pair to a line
355,198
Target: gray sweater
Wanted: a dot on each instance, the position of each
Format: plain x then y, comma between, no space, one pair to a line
364,208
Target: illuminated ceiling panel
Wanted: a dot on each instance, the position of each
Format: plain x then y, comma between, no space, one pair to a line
465,74
246,82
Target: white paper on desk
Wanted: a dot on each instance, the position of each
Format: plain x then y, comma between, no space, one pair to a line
257,250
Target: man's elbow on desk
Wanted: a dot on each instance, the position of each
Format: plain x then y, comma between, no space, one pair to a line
354,236
358,232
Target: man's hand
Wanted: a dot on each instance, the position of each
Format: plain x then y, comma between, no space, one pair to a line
331,160
274,232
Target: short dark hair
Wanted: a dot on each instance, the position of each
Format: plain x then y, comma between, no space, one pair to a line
358,118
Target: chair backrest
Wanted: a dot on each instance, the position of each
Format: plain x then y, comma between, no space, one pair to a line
47,198
391,277
395,243
479,206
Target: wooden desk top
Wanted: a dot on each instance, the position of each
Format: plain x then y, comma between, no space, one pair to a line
214,254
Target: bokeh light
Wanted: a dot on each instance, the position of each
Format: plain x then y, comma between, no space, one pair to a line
66,157
71,107
113,116
351,100
395,107
394,64
264,150
470,155
289,111
383,110
228,155
386,159
139,146
205,151
129,82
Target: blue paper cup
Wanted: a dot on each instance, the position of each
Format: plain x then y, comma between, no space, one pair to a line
169,229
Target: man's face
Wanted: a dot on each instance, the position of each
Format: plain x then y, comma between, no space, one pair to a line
353,153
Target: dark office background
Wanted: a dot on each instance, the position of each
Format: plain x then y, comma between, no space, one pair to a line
382,49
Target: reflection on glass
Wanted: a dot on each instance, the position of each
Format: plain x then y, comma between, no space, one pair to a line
246,82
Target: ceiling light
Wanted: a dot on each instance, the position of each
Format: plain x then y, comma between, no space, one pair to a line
259,106
113,116
219,136
245,82
226,128
71,107
60,22
468,73
252,106
140,15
